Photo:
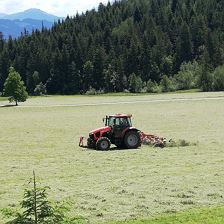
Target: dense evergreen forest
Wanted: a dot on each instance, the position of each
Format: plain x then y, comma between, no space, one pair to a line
127,45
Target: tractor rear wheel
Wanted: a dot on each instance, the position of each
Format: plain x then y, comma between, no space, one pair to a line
103,144
132,140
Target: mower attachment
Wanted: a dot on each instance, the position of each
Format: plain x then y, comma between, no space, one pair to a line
155,141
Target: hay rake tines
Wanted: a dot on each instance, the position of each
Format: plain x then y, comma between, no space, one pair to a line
154,140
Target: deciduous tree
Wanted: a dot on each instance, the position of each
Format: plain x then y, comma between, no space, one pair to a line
14,87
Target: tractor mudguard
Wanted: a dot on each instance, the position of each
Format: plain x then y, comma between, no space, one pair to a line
129,129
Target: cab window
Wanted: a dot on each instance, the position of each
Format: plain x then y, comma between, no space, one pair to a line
111,121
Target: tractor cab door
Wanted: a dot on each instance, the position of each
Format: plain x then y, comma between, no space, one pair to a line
120,124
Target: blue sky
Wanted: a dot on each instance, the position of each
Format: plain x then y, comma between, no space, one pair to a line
57,7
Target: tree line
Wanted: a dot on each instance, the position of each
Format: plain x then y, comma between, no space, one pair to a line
127,45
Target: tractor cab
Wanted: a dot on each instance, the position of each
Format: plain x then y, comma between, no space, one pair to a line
118,120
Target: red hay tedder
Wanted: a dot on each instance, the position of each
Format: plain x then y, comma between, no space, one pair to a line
118,130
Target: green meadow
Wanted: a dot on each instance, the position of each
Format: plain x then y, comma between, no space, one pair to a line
148,184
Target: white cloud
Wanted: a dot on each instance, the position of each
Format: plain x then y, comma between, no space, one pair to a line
57,7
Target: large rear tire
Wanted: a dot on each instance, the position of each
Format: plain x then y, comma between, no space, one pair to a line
132,140
103,144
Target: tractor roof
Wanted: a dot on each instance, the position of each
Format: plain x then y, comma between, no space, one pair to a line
120,115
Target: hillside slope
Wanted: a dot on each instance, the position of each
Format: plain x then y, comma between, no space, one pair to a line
102,48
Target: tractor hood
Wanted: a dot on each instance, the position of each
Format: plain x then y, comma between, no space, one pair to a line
103,129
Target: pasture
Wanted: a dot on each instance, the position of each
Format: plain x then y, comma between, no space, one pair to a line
43,134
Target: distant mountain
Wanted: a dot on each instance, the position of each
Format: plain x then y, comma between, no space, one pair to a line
33,13
2,15
16,27
30,19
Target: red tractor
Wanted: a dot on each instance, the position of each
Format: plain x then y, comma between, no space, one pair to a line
118,130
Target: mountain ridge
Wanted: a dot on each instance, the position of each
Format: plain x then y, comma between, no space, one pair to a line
32,13
14,28
29,20
2,15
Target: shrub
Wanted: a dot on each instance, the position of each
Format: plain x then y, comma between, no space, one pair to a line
218,79
184,80
135,83
93,91
40,89
153,87
126,91
206,81
32,81
188,76
167,84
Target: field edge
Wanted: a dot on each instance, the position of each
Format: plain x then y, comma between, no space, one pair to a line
214,215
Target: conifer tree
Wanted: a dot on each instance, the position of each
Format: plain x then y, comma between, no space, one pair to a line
184,45
36,207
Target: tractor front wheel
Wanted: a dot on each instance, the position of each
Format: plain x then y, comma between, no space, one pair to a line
90,143
132,140
103,144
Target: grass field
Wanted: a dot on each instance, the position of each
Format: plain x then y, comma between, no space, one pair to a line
192,216
3,98
43,135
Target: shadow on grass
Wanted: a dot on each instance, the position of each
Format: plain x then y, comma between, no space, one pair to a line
8,105
111,149
121,149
